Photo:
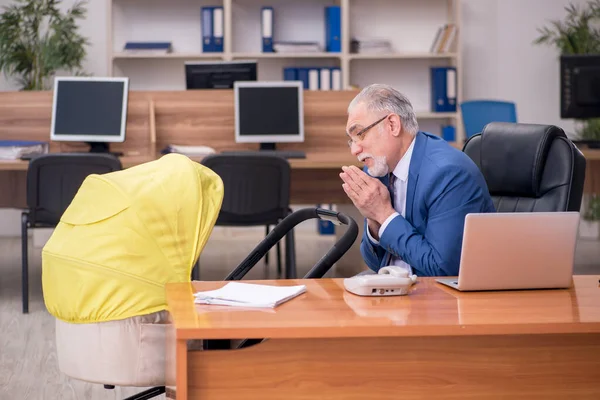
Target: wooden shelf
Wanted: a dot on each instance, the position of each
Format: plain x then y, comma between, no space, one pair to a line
435,115
409,26
213,56
286,55
409,55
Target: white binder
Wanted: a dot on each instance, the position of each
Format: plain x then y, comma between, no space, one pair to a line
267,29
218,28
313,79
325,83
336,79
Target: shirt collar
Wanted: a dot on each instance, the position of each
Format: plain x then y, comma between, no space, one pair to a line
401,170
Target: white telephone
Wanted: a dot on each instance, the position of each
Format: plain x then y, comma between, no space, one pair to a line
389,281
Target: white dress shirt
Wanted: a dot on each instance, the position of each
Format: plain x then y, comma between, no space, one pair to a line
399,192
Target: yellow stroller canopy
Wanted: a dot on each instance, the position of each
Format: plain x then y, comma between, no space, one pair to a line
125,235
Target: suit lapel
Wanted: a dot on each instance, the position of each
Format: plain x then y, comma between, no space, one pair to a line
413,176
413,172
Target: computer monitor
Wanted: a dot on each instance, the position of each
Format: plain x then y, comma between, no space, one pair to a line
580,86
218,75
90,109
269,113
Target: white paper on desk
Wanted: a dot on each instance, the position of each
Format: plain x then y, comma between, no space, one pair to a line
249,295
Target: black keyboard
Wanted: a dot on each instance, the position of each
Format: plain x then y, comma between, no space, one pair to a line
279,153
29,157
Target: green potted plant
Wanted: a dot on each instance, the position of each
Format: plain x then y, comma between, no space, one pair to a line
578,33
37,39
590,223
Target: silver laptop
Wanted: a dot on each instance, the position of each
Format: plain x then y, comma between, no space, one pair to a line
503,251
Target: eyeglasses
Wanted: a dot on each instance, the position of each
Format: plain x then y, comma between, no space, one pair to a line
363,131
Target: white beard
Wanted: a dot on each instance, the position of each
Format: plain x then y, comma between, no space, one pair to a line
379,168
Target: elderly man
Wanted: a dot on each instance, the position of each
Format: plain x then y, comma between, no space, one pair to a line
433,186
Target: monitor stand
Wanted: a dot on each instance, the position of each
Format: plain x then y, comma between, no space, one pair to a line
271,148
102,147
267,146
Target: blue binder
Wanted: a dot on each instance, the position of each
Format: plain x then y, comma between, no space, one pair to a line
443,89
448,133
290,74
207,29
302,75
333,29
166,46
266,17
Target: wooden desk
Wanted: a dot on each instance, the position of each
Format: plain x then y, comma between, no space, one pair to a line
434,343
156,119
315,179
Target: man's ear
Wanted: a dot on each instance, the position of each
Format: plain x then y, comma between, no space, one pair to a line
395,124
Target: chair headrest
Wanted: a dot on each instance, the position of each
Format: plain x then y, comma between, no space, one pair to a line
513,156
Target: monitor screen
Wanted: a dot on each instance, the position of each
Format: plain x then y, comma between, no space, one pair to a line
218,75
269,112
580,86
89,109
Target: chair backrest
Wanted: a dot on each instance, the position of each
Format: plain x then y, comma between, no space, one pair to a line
257,188
529,167
478,113
54,179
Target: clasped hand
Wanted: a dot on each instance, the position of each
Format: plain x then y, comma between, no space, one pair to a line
369,195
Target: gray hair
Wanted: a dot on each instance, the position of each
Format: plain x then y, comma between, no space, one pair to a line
384,98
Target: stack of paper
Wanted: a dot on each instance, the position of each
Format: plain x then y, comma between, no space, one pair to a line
371,45
296,47
249,295
190,151
155,48
14,149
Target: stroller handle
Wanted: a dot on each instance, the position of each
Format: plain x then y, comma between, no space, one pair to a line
287,224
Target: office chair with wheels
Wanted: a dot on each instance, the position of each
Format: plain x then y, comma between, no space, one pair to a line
52,182
257,192
478,113
529,167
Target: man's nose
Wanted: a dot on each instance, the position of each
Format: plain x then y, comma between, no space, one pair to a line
355,149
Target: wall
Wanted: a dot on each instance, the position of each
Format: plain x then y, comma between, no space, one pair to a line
499,60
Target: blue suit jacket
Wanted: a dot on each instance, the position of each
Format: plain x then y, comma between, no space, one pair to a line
444,185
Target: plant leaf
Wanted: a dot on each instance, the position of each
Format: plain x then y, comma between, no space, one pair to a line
37,39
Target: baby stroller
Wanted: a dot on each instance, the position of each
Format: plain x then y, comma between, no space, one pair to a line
123,237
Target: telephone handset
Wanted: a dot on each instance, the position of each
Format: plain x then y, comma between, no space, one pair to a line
389,281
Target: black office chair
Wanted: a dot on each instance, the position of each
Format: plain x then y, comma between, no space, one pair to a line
257,192
52,182
529,167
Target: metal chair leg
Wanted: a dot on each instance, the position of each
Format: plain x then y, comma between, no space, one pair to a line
24,262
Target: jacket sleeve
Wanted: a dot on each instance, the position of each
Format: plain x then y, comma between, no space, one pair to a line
451,196
371,253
